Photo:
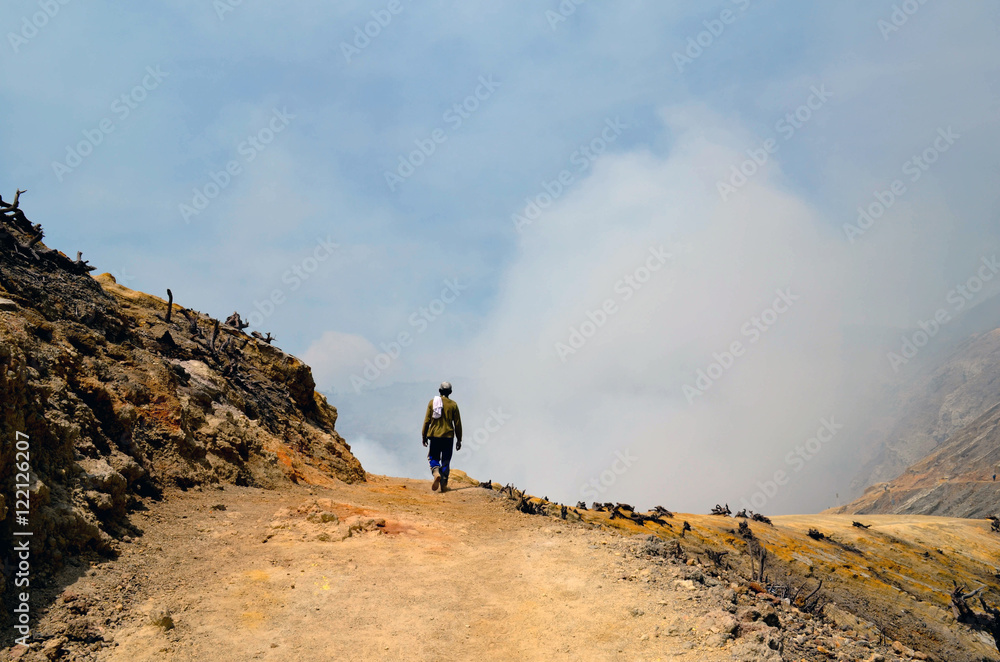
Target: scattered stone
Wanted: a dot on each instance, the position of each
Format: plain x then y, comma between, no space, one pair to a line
161,617
53,648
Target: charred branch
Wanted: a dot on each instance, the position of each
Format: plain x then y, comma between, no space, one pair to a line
235,321
758,562
268,339
988,621
722,510
215,336
862,526
717,558
757,517
192,323
14,204
170,305
80,262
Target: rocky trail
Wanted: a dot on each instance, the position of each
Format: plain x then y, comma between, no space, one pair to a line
388,570
250,574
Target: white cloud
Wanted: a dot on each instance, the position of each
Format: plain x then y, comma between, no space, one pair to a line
335,356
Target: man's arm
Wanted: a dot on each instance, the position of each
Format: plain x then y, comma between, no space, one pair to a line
458,426
427,422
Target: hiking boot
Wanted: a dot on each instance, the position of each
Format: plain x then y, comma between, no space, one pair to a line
437,479
444,483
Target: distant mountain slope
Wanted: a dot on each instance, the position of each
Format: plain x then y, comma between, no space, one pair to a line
948,392
956,479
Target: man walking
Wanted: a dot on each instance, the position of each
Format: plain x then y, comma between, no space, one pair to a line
442,423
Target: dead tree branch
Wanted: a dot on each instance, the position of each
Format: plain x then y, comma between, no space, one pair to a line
234,320
192,323
989,621
215,335
170,305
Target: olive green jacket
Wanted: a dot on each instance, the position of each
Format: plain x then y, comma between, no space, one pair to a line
449,425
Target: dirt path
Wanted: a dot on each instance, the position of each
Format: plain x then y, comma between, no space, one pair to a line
448,577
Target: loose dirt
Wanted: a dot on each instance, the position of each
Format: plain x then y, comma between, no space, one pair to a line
250,574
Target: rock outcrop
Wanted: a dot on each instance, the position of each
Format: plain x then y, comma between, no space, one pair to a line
119,399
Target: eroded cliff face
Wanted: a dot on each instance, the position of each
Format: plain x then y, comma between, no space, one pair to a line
118,401
954,480
931,407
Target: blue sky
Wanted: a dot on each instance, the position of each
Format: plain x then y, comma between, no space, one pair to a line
330,126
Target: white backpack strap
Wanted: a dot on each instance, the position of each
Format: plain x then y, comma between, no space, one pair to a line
437,408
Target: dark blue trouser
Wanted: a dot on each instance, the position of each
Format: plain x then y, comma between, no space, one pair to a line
439,454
